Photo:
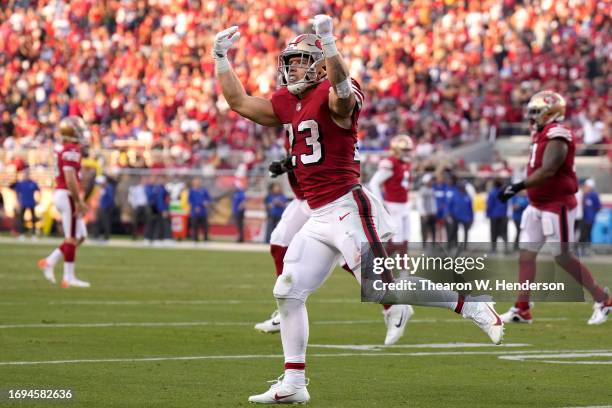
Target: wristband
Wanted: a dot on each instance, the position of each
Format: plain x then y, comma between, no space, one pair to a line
328,44
222,65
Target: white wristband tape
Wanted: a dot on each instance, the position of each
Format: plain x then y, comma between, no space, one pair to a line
344,89
329,46
222,65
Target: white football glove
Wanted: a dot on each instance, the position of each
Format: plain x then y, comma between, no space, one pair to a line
224,40
323,26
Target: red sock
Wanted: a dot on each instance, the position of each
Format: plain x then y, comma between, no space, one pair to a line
278,254
295,366
346,268
69,251
460,303
527,271
582,274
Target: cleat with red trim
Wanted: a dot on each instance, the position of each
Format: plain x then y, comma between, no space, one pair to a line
516,315
46,269
282,393
483,314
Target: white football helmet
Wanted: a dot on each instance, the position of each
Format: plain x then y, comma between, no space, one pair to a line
308,47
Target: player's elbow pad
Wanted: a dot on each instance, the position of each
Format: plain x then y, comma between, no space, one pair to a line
344,88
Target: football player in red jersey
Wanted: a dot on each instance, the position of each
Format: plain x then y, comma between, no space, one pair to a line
69,201
394,175
294,217
551,186
318,105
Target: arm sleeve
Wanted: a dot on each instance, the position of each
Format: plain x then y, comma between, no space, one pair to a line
382,174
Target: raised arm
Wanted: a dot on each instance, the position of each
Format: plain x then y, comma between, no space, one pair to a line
257,109
342,99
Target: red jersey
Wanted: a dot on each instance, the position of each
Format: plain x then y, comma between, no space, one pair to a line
297,190
560,189
68,156
326,155
396,187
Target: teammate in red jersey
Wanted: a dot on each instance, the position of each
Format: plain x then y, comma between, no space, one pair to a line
551,186
318,104
68,200
394,175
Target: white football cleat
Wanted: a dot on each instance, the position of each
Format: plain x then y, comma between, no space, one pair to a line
75,283
272,325
516,315
396,318
485,317
282,393
47,270
601,310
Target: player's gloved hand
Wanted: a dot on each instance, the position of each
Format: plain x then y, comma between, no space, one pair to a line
280,167
224,40
510,191
323,26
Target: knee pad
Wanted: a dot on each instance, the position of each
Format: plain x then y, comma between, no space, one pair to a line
284,285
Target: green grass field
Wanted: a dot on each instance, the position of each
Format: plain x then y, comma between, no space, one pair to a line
173,328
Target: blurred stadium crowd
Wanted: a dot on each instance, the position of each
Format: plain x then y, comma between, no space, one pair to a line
141,74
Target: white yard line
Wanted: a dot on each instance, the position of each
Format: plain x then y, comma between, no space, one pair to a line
376,347
561,358
203,323
278,356
167,302
118,243
202,246
593,406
